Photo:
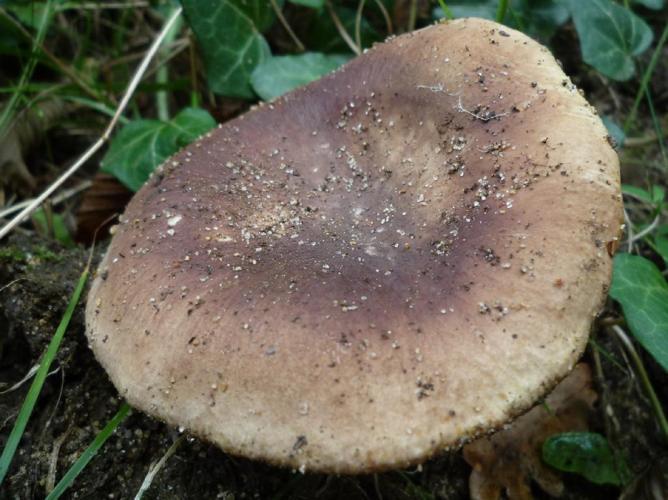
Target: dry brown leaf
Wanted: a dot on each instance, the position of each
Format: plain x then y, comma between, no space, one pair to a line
101,201
510,459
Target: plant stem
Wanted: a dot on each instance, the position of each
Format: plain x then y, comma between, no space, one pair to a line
162,75
341,28
386,16
446,10
647,75
358,23
644,378
501,10
412,15
286,25
657,127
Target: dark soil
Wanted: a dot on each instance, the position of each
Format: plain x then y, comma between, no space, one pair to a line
36,281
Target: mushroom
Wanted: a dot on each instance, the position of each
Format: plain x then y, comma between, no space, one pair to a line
376,267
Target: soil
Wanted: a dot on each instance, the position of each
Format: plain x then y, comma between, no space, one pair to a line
37,278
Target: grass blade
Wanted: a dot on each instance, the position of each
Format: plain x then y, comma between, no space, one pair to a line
38,382
89,453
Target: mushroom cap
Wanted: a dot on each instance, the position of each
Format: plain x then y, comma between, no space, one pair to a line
377,266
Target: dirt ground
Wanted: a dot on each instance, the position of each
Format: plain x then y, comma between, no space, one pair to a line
36,280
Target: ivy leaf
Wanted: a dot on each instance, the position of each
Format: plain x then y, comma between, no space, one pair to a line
642,291
229,33
610,35
650,4
539,18
313,4
587,454
660,237
278,75
142,145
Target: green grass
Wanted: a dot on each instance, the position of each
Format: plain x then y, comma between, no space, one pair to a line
40,377
89,453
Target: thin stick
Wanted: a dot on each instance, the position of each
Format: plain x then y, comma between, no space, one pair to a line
155,468
341,29
286,26
56,200
644,378
629,231
105,136
644,232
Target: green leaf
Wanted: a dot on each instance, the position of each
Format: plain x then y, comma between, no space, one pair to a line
313,4
641,289
661,243
475,8
29,13
610,35
142,145
660,237
587,454
278,75
229,33
656,197
38,382
321,34
650,4
53,225
538,18
614,130
89,453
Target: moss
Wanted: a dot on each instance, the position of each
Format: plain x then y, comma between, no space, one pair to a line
35,256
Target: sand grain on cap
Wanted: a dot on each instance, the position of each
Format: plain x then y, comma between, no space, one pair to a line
374,267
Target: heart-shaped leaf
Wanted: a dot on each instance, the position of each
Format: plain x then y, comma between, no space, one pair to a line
229,33
587,454
278,75
642,291
610,35
660,237
142,145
